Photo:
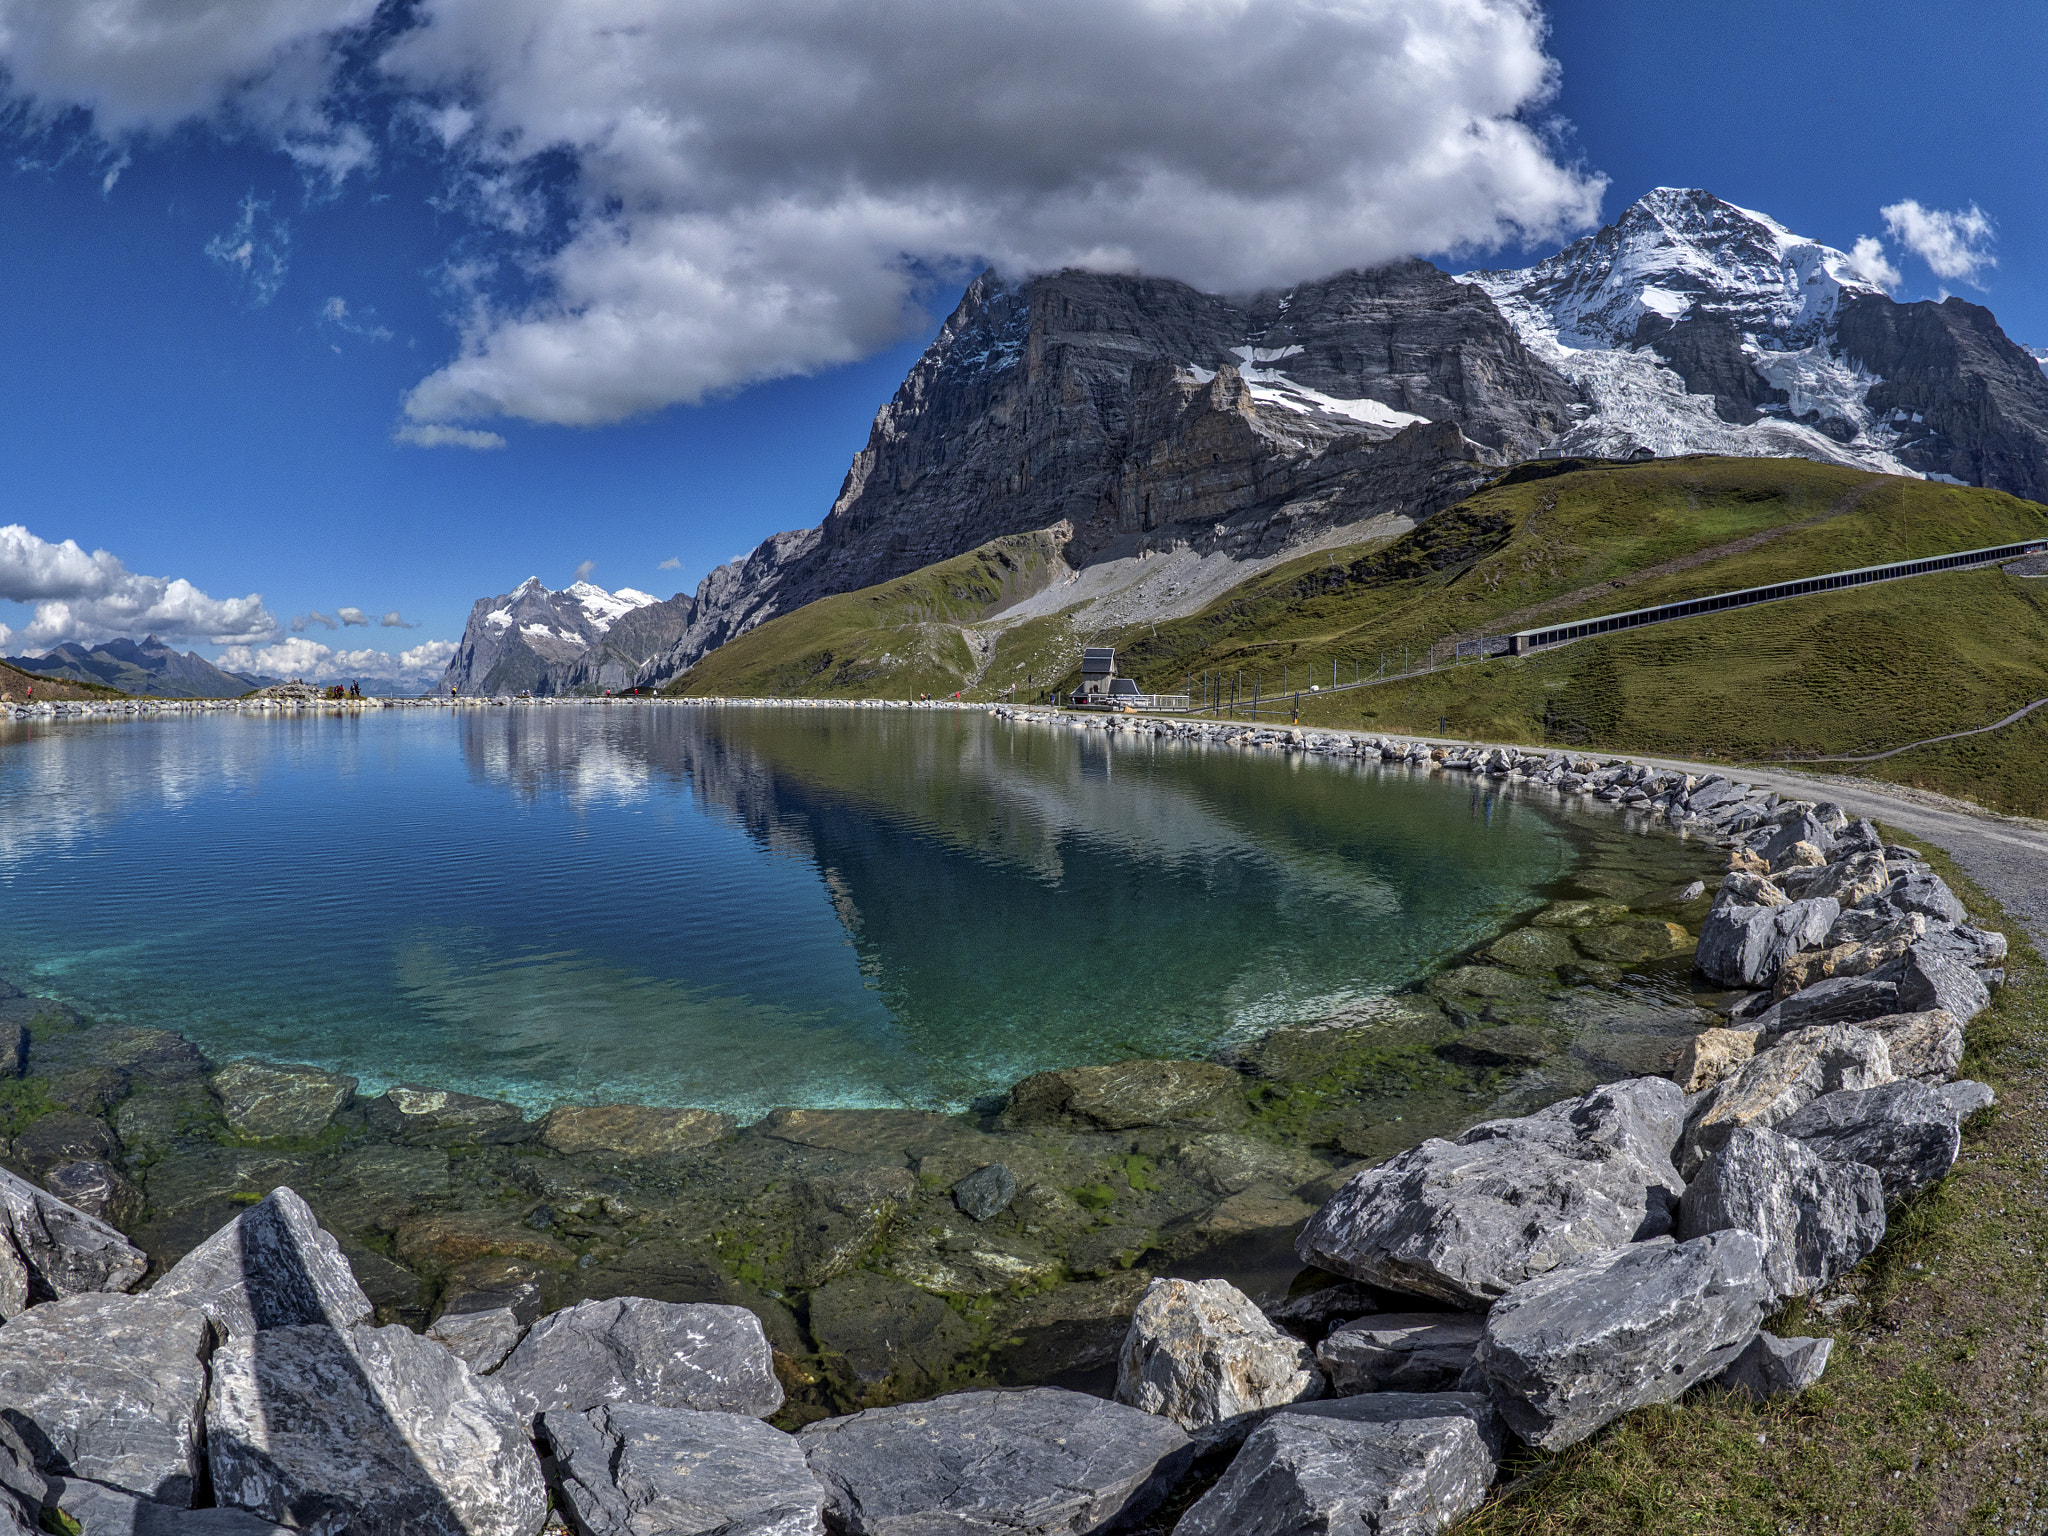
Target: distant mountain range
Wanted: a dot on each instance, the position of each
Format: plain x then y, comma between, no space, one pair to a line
150,669
581,639
1173,443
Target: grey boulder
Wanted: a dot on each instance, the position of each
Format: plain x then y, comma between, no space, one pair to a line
23,1489
1776,1084
1836,1000
1928,980
273,1266
1393,1464
49,1249
1975,947
986,1192
1815,1219
368,1432
1928,895
1905,1130
1401,1351
1928,1046
1200,1353
1570,1351
1743,946
480,1340
1466,1221
1775,1367
633,1350
103,1511
1041,1462
636,1470
1965,1098
111,1388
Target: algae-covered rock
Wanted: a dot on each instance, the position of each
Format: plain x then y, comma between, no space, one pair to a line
410,1112
840,1216
1634,943
449,1238
883,1340
272,1102
630,1130
1532,949
1128,1094
1579,914
1506,1045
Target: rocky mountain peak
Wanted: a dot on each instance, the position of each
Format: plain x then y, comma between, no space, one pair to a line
535,640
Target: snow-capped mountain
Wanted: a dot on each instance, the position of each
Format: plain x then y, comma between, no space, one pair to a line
1693,326
582,637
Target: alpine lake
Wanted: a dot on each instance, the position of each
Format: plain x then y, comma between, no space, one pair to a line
847,934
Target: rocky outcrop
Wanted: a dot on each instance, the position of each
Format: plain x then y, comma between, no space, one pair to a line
1200,1354
267,1101
581,639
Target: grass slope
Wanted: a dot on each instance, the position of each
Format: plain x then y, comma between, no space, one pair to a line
896,639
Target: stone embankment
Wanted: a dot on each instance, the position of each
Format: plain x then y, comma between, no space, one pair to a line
1524,1283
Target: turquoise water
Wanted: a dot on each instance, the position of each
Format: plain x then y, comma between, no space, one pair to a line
734,908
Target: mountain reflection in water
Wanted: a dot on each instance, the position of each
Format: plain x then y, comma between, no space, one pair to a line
736,908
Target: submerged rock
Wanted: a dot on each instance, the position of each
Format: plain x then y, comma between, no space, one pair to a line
1042,1462
111,1388
1568,1351
1814,1219
630,1349
48,1248
269,1101
631,1130
1127,1094
634,1470
97,1188
884,1339
1199,1353
410,1112
273,1266
367,1429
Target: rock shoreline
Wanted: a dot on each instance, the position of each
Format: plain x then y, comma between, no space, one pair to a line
821,1267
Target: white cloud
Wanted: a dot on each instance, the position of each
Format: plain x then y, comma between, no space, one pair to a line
391,620
80,596
672,563
301,621
420,665
584,569
336,315
256,249
1954,244
446,437
353,616
1868,257
761,188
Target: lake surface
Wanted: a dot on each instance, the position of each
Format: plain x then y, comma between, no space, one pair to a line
737,908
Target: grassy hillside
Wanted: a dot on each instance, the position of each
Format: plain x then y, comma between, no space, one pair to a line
15,685
893,640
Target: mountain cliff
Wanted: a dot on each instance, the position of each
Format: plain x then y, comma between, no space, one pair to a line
579,639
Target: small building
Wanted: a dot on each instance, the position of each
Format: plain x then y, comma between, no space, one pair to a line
1098,672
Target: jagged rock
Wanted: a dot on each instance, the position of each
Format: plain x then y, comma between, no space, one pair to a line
97,1188
110,1388
1311,1314
273,1266
1965,1098
1838,1000
1126,1095
434,1115
986,1192
1199,1353
1401,1351
634,1470
1803,830
103,1511
1041,1462
1404,1464
270,1101
1466,1221
480,1340
1712,1055
1904,1130
630,1349
1814,1219
631,1130
1743,946
1849,879
48,1248
1778,1083
1974,947
1929,980
1568,1351
1927,1046
1775,1367
22,1488
367,1429
1927,894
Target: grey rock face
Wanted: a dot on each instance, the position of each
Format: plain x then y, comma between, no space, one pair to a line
1356,1467
533,640
1569,1351
111,1388
633,1470
1904,1130
986,1192
480,1340
270,1101
367,1430
1814,1219
1743,946
1401,1351
1837,1000
273,1266
1042,1462
1776,1084
22,1488
1928,895
1775,1367
48,1249
1929,980
1466,1221
103,1511
629,1349
1927,1046
1805,828
1199,1353
1974,947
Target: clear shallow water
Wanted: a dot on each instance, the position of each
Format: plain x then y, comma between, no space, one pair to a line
730,908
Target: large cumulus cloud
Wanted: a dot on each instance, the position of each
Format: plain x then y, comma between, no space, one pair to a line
759,188
310,661
81,596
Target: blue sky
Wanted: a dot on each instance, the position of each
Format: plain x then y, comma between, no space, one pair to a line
221,301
